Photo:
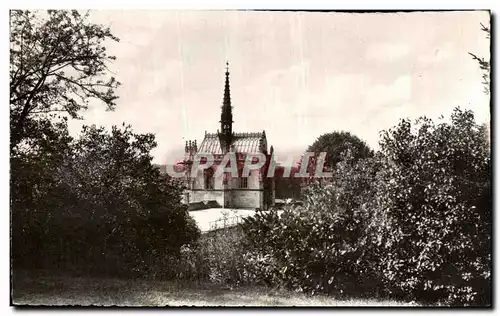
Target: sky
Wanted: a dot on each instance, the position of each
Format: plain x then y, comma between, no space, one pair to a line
296,75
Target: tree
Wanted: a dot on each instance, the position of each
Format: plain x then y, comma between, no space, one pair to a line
127,193
432,210
98,200
414,221
95,202
335,144
34,191
483,64
58,63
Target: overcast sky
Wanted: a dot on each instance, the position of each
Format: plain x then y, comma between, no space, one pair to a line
295,75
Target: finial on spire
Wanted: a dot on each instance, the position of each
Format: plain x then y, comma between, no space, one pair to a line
227,67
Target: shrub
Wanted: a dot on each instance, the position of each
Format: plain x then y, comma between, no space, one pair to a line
95,204
318,247
224,255
414,221
218,257
432,210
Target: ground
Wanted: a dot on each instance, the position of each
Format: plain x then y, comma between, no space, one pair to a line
35,288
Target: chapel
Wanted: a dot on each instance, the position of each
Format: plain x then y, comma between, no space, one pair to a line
255,191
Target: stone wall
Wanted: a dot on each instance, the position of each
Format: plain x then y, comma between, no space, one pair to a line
199,182
247,198
200,196
254,180
230,195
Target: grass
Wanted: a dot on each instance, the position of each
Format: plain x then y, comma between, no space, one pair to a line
35,288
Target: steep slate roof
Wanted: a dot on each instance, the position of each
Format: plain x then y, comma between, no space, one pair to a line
210,144
247,142
242,142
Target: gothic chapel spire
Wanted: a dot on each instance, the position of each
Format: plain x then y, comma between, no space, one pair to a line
226,117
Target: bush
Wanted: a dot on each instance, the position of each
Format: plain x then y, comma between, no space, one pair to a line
316,248
95,204
433,210
412,222
225,257
217,257
223,252
321,247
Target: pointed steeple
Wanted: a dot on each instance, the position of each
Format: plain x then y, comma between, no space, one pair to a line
226,118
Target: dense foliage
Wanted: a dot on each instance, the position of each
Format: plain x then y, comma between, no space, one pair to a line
413,222
96,203
435,189
322,247
336,143
93,204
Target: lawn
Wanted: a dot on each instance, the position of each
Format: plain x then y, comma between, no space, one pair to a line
48,289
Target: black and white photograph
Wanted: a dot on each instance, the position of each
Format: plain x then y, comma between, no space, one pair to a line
250,158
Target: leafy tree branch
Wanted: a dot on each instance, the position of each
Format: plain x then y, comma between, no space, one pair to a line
58,64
